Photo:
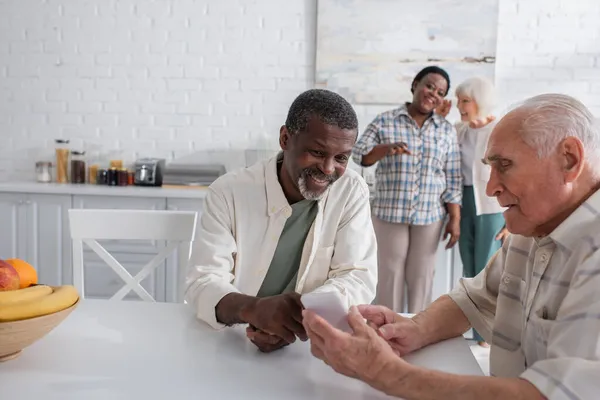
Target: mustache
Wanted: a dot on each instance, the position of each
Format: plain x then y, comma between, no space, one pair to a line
317,174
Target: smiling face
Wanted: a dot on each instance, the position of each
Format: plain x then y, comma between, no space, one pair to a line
429,92
467,107
537,191
313,160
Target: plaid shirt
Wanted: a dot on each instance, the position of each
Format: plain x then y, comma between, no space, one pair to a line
412,189
538,303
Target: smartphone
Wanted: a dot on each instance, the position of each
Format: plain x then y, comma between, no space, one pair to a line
330,306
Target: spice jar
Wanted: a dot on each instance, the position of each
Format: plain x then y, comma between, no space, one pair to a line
123,177
42,171
102,177
77,167
112,178
93,174
130,178
62,160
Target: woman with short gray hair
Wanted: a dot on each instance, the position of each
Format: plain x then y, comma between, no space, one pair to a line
482,224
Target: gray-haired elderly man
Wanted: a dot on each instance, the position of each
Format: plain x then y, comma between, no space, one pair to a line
299,222
538,299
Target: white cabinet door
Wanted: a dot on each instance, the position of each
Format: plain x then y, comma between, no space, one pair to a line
48,240
175,277
100,280
13,220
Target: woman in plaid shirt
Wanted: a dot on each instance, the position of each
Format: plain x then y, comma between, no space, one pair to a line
418,184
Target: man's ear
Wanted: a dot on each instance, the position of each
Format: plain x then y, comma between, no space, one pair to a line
572,157
284,138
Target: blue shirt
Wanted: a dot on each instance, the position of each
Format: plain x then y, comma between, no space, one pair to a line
413,188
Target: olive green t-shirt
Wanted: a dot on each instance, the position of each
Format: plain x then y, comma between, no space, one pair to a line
283,270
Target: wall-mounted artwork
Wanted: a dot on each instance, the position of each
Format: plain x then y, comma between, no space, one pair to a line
370,50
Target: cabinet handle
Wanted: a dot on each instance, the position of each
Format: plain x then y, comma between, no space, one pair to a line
28,202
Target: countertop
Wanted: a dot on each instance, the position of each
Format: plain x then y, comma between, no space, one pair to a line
124,350
102,190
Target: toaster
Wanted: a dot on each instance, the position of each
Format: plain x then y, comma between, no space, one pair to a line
149,171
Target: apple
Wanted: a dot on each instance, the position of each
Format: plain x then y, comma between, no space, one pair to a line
9,278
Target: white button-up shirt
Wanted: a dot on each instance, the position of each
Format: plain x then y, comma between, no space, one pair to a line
244,214
538,302
480,172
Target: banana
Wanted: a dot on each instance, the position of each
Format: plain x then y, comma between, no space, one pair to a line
62,297
21,295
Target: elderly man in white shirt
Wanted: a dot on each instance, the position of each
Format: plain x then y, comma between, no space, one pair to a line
297,223
537,301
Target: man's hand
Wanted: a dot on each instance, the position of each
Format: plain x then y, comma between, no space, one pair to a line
363,354
452,230
402,334
279,315
265,342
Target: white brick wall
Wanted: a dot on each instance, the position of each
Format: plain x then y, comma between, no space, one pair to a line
170,77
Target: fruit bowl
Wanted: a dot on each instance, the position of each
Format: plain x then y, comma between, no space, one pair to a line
17,335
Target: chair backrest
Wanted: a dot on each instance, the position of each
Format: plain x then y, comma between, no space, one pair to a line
177,228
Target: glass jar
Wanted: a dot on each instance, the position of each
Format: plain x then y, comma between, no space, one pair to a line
93,174
130,178
77,167
102,177
118,164
62,160
123,177
42,171
113,177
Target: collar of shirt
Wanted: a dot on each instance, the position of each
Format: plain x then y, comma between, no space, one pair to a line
565,234
403,110
276,200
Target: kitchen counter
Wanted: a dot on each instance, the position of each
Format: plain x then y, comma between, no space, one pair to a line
102,190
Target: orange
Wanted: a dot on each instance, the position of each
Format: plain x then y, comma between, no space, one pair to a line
27,274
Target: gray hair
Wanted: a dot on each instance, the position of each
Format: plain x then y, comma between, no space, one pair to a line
482,91
329,107
551,118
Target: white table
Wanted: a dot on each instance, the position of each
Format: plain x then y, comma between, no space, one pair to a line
134,350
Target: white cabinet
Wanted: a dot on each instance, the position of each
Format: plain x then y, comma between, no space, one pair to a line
35,230
13,243
48,239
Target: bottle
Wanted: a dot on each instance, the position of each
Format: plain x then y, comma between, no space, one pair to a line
93,174
62,160
77,167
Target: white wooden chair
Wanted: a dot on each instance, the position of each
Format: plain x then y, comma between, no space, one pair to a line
87,226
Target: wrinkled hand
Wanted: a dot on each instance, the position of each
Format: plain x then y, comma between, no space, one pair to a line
362,355
401,333
265,342
444,108
481,122
502,235
279,315
452,230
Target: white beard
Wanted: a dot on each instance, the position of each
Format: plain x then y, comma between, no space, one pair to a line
307,194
